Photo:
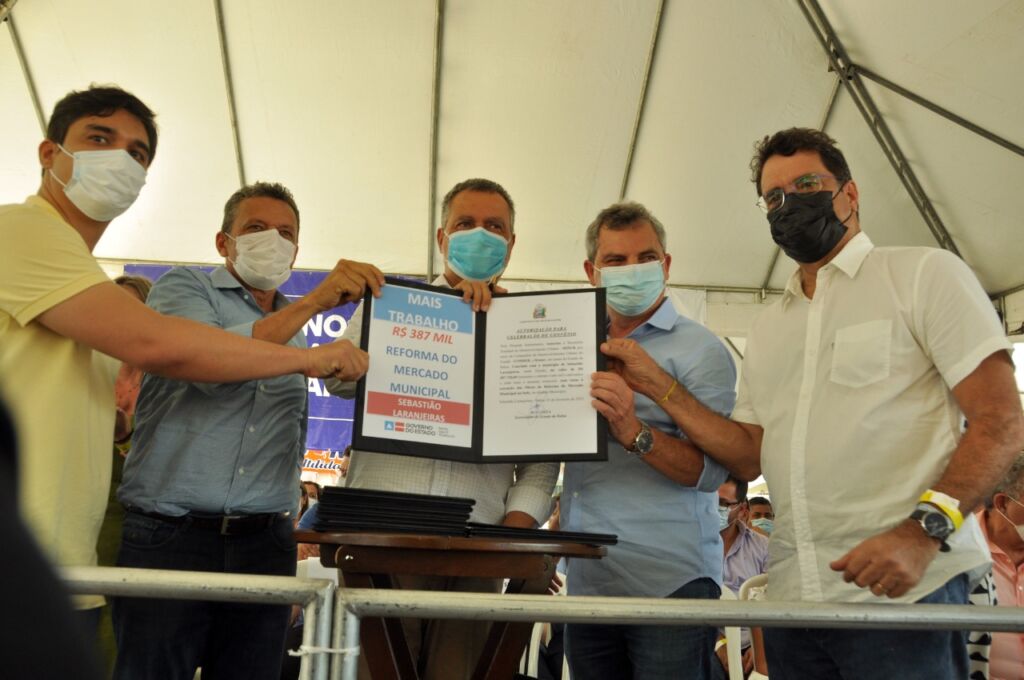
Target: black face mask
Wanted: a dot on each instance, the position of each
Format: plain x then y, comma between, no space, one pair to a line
806,226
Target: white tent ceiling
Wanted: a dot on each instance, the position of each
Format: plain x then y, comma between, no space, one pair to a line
335,99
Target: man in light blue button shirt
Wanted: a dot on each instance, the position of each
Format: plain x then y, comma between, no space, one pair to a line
213,476
657,491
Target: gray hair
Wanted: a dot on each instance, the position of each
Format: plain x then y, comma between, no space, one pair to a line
1012,483
477,184
257,190
621,216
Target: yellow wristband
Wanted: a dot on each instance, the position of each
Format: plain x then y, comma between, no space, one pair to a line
946,503
669,393
719,644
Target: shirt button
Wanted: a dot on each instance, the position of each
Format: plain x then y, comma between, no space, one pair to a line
575,494
252,428
263,388
241,471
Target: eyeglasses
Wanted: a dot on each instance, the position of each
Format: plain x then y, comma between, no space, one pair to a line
811,183
722,503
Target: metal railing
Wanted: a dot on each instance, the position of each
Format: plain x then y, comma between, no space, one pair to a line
315,595
338,624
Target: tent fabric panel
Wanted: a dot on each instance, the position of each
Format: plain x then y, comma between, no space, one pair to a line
334,102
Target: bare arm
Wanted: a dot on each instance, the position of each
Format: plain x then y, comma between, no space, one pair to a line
892,562
736,446
104,318
995,432
347,282
677,459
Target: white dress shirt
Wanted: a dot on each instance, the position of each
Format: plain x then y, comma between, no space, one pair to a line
852,389
498,488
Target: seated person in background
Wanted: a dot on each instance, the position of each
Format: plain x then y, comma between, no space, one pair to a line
760,516
746,556
312,494
1002,522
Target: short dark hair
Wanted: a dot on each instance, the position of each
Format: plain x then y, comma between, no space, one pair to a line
619,216
103,101
789,142
759,500
741,487
257,190
477,184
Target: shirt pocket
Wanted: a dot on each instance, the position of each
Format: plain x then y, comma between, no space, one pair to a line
861,353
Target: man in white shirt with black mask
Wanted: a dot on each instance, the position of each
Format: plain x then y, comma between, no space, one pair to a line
852,394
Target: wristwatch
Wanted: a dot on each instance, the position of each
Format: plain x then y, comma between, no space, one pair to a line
643,442
935,523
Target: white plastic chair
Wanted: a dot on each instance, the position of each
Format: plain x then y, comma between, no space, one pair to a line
530,660
732,643
753,589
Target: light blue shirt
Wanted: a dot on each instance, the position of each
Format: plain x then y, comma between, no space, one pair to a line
668,533
233,448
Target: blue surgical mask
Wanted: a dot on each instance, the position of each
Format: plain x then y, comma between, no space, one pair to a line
633,288
723,518
764,524
477,254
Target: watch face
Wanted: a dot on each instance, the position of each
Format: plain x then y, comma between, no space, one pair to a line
644,441
936,524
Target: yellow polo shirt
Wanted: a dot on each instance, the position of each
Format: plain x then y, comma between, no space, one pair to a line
62,399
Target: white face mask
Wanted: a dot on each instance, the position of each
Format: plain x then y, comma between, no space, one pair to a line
723,518
263,259
103,183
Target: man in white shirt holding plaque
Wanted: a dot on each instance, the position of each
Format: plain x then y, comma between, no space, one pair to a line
476,238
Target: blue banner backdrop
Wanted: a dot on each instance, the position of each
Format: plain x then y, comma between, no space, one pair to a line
330,418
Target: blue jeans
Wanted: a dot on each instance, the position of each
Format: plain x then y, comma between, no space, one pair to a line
620,652
169,639
813,653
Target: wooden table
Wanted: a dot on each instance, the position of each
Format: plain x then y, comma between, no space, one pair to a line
368,560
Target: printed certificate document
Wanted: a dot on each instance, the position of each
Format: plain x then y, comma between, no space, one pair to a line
508,385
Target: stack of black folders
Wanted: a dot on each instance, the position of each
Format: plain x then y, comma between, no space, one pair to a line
343,510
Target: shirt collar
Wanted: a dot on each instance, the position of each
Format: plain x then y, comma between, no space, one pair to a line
848,260
664,317
224,279
39,202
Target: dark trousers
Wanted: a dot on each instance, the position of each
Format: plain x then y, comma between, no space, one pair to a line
169,639
872,654
621,652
